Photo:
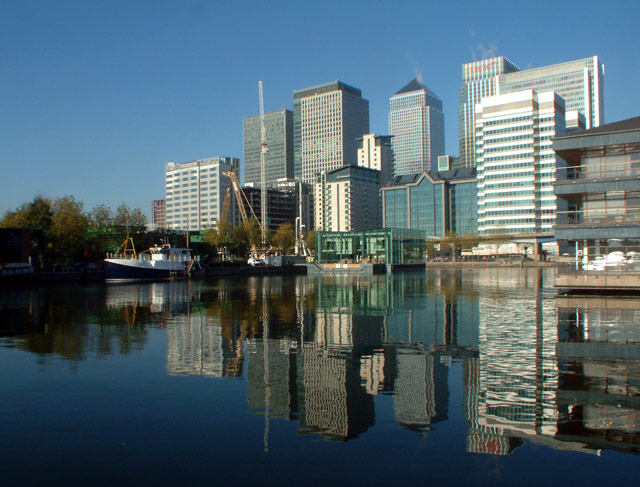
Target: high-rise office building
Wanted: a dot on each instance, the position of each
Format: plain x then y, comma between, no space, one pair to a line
516,165
416,123
376,152
327,119
195,191
580,83
279,159
479,80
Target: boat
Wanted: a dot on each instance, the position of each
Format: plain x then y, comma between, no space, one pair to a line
16,273
158,262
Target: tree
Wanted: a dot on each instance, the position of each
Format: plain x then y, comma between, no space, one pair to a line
100,217
36,215
122,216
430,248
252,233
138,219
66,235
130,222
285,238
310,240
469,241
452,240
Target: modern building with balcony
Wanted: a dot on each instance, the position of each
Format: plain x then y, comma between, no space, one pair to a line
348,199
601,188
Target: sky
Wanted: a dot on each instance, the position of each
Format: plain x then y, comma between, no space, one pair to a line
96,96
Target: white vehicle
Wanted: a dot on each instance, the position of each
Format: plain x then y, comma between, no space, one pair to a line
255,262
601,262
633,257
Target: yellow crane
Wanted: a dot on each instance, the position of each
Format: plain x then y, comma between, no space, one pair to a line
242,200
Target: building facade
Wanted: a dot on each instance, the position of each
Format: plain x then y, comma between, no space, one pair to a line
601,190
347,199
479,80
416,122
279,158
580,83
434,202
281,206
158,214
195,191
328,119
376,152
303,194
516,164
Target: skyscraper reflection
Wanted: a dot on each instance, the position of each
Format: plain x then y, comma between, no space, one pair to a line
328,352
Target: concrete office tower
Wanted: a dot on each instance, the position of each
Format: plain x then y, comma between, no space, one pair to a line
479,80
580,83
516,165
279,159
195,191
327,121
416,123
375,152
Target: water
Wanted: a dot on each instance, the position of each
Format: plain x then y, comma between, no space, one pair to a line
471,377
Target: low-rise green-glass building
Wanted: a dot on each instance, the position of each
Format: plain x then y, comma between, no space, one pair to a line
386,245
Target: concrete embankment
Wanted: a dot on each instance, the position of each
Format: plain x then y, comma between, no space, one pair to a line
54,277
254,271
301,269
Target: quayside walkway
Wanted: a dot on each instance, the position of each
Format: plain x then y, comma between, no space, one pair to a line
615,280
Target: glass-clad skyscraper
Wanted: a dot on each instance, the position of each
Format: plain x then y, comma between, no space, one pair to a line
416,122
479,80
279,158
580,83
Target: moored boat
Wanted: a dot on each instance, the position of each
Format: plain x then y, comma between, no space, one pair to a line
16,273
158,262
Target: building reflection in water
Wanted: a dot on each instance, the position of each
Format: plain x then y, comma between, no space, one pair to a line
559,371
599,371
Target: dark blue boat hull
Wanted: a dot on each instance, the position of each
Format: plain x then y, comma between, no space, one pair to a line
115,271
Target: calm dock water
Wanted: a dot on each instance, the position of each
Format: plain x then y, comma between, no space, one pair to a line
444,377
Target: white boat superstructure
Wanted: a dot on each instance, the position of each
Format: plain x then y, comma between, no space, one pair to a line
158,262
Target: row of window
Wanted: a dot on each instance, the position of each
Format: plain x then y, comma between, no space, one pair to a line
508,148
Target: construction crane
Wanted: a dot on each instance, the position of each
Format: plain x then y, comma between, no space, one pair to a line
263,170
224,214
242,200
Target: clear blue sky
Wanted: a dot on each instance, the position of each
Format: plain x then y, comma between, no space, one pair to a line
96,96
